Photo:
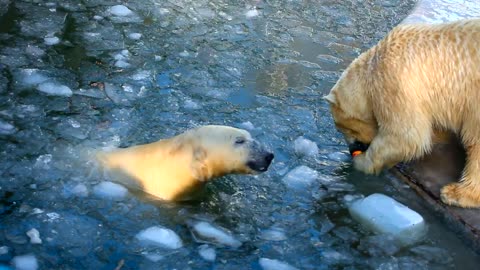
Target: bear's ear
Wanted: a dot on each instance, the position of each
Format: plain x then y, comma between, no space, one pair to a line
199,166
330,98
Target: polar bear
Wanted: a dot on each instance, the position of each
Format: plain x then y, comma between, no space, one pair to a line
174,169
418,81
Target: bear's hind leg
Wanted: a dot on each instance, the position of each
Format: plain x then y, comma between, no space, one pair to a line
466,193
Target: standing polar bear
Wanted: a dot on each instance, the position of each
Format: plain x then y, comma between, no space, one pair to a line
174,169
419,80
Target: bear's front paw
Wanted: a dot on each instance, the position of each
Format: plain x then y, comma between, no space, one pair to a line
460,195
364,164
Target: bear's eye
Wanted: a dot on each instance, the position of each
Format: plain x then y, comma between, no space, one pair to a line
240,140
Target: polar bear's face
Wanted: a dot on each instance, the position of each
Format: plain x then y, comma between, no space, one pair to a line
351,108
220,150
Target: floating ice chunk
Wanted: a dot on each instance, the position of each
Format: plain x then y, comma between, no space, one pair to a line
160,236
225,16
120,10
135,36
25,262
339,156
272,264
34,50
335,257
3,250
97,18
384,215
122,64
252,13
55,89
247,125
51,40
36,211
110,190
184,54
6,128
154,257
305,147
52,216
80,190
163,11
43,161
207,253
141,75
34,236
273,234
349,199
31,76
206,232
192,105
301,177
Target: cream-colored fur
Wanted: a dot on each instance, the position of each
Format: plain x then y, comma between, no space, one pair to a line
419,80
174,168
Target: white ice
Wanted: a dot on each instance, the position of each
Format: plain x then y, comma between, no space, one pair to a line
273,234
25,262
122,64
207,253
34,236
209,233
111,190
300,177
120,10
34,50
385,215
31,76
79,190
135,36
52,216
6,128
305,147
160,236
247,125
339,156
190,104
252,13
3,250
55,89
51,40
154,257
272,264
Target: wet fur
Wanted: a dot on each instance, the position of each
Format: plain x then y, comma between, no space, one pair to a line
409,91
174,169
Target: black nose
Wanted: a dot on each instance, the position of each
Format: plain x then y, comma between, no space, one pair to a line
269,157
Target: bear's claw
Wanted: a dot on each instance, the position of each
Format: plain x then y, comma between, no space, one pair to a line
457,194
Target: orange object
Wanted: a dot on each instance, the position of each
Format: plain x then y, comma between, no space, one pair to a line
356,153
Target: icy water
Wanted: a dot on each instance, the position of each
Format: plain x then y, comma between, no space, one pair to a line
76,76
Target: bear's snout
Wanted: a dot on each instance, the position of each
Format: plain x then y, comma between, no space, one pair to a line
357,146
260,158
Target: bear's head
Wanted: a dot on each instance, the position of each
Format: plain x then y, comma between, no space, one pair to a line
351,106
220,150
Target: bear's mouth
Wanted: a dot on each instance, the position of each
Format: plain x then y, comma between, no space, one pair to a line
262,164
357,146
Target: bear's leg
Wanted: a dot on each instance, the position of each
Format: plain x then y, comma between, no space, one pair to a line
388,149
466,193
